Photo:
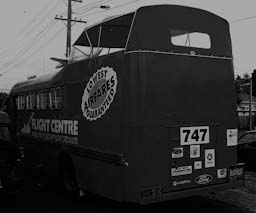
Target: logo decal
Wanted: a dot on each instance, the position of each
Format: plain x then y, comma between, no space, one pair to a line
198,165
209,158
26,128
99,93
203,179
177,152
222,173
194,151
182,182
183,170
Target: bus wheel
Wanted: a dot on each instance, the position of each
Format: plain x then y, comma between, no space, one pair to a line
68,175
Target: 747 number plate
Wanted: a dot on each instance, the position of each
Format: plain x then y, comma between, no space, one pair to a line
194,135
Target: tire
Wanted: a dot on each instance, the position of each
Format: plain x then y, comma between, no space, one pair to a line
68,177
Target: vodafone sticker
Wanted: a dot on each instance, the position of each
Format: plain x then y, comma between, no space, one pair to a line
99,93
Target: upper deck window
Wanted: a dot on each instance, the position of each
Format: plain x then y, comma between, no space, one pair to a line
190,39
105,38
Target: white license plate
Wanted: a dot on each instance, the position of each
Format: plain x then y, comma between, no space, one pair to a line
194,135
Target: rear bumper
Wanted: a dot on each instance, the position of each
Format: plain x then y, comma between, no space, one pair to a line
165,196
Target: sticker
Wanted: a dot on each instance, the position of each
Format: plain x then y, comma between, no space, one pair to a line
183,170
194,135
177,152
236,172
198,165
209,158
222,173
182,182
203,179
194,151
231,137
99,93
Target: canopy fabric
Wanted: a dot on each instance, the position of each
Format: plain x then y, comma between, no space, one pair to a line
152,27
114,33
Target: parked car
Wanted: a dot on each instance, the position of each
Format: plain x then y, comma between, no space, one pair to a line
247,149
10,157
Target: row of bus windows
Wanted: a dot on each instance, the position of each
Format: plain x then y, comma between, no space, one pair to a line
41,100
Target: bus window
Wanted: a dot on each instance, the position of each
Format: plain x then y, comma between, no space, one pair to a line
55,98
44,99
52,98
190,39
41,99
21,102
38,100
30,101
58,98
105,38
27,101
33,101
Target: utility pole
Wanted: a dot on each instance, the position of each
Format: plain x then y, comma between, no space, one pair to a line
68,46
69,21
250,105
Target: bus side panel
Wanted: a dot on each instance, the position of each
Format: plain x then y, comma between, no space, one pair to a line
99,156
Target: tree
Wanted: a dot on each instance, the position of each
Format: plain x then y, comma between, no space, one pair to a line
246,76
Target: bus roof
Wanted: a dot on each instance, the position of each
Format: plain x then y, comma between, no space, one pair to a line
44,81
149,20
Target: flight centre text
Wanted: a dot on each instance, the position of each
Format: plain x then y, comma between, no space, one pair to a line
65,127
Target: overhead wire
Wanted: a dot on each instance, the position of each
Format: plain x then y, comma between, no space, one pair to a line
112,8
34,52
28,46
86,7
31,38
36,38
29,24
243,19
29,32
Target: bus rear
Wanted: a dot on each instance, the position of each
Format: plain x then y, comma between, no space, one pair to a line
181,105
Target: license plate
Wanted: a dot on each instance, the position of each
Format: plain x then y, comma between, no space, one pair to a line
194,135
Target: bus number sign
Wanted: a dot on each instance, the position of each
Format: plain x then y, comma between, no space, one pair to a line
194,135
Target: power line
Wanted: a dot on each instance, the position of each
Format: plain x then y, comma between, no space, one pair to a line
9,65
243,19
112,8
36,51
28,46
90,6
29,32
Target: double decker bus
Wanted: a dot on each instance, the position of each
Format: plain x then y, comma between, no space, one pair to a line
148,113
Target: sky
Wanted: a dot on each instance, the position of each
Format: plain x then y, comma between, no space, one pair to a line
30,35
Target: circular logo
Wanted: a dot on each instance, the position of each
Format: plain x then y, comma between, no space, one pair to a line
99,93
209,156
